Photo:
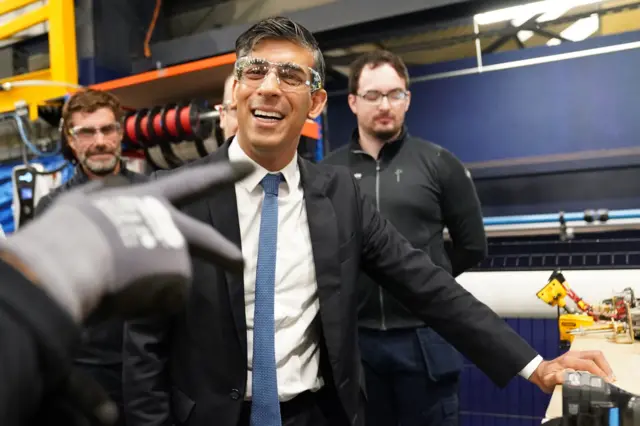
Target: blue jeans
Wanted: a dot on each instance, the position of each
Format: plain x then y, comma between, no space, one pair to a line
412,378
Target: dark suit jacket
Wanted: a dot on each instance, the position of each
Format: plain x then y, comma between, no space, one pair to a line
191,369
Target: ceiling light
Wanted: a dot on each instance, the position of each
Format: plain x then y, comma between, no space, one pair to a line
524,12
580,30
524,35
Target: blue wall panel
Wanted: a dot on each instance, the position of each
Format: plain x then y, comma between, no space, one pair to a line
89,72
560,107
520,403
341,121
557,108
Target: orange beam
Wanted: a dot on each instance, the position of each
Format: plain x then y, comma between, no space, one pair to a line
145,77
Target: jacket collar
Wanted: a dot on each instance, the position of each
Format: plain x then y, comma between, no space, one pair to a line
389,149
312,177
290,172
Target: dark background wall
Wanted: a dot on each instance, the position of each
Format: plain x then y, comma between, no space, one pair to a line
553,118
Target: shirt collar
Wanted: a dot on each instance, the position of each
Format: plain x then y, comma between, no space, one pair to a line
290,172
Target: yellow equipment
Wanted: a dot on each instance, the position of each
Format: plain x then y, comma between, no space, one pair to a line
554,293
615,316
569,323
557,289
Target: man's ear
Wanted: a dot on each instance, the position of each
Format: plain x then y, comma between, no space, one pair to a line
222,118
406,108
234,87
352,103
318,101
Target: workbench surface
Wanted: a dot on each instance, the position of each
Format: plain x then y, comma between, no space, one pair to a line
623,358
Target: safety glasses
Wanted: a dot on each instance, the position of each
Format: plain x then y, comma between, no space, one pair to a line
291,77
375,97
89,134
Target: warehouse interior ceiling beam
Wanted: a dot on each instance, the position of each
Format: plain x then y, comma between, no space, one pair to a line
574,24
524,21
333,24
520,34
549,10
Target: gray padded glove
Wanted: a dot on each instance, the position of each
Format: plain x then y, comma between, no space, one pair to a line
126,246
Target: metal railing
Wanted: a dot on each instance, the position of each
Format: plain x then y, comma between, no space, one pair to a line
611,250
565,225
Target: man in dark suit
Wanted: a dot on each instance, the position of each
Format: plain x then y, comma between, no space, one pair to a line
92,126
277,345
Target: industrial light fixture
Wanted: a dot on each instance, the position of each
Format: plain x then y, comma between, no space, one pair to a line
520,14
579,30
553,12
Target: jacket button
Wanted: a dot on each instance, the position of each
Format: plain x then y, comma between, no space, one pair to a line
235,394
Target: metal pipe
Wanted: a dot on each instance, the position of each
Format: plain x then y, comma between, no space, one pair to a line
476,31
554,229
6,86
533,61
555,217
213,114
549,228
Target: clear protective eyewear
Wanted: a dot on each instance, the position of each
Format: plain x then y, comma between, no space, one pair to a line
89,134
291,77
394,96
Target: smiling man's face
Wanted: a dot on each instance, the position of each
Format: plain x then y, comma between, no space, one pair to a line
271,113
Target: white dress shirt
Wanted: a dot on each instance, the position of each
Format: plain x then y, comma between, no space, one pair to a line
296,298
528,370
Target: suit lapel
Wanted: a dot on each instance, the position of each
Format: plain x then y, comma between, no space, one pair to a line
323,229
223,210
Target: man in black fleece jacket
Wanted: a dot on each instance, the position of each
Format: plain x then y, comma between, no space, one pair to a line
92,129
421,188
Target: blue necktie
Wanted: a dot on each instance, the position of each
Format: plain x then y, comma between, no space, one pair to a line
265,406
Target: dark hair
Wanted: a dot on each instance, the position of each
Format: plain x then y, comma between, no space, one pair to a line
375,59
281,28
86,100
